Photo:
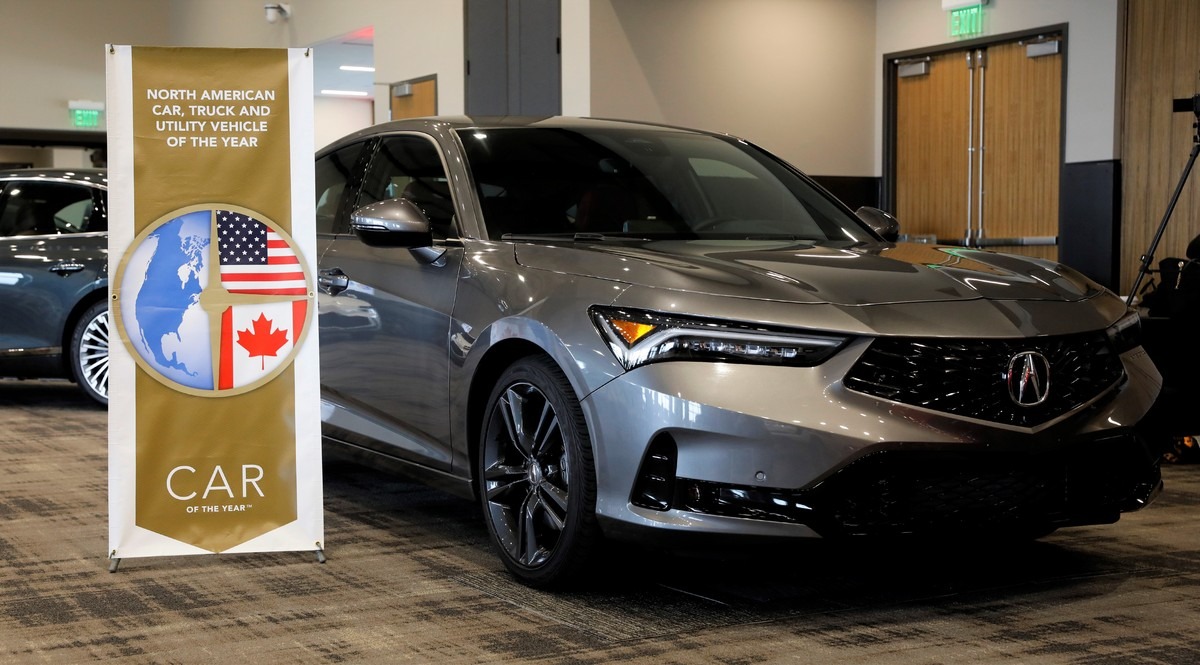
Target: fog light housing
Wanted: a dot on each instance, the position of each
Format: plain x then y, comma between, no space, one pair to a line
654,486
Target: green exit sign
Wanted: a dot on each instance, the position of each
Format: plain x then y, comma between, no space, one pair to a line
85,118
966,22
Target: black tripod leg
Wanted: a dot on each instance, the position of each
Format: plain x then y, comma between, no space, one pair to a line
1148,257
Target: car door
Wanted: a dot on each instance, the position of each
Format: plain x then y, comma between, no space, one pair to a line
385,318
53,252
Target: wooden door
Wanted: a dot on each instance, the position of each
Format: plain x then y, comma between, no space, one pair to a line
978,149
420,102
932,148
1162,56
1021,153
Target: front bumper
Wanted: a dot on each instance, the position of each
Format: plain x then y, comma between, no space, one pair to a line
713,448
895,492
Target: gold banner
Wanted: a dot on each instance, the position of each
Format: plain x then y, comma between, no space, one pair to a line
215,452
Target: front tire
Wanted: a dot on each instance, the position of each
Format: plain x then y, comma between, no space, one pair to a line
537,479
89,352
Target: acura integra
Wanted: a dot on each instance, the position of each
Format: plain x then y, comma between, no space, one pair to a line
602,329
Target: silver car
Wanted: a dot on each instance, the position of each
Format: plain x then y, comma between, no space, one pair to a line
613,330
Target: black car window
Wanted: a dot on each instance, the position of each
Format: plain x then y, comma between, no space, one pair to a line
335,181
656,183
408,166
547,181
44,208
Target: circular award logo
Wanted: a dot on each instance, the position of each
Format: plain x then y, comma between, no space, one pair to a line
213,300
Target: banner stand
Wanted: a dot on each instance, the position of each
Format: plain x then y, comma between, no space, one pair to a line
114,561
214,420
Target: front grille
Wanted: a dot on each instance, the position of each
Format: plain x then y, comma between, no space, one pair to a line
951,497
930,491
969,377
921,491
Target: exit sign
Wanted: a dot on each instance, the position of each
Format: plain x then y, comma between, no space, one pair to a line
967,21
85,114
85,118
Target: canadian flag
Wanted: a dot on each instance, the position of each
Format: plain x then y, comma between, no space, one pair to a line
257,339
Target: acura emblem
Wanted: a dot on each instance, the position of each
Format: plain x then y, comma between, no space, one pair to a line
1028,378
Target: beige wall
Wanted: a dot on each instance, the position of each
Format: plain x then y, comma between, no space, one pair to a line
11,154
576,57
413,38
336,117
794,76
1093,58
53,52
801,77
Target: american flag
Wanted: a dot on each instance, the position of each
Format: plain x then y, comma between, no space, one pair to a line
255,259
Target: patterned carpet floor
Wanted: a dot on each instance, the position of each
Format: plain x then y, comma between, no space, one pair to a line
411,578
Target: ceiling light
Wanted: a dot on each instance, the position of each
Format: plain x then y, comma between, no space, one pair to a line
345,93
356,68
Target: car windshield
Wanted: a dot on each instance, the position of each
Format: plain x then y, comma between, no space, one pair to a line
645,183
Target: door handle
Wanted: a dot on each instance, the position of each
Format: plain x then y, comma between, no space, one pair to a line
65,268
332,280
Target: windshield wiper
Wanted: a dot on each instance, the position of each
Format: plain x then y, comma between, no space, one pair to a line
592,236
778,236
582,236
535,237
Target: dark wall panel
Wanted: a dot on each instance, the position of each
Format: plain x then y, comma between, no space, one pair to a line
513,61
854,191
1089,220
540,68
487,67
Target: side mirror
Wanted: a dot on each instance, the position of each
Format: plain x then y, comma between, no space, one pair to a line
882,223
392,223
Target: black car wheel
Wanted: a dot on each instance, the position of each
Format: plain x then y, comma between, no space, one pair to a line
537,479
89,352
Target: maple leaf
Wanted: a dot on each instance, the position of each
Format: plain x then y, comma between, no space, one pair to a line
262,341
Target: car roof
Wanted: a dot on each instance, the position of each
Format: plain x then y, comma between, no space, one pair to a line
494,122
87,176
437,124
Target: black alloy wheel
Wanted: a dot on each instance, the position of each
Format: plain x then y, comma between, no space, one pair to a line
89,352
537,478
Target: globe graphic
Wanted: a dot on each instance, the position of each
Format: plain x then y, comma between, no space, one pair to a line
199,349
163,279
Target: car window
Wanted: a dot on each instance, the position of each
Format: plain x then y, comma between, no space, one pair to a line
545,181
408,166
656,183
335,181
74,216
713,168
44,208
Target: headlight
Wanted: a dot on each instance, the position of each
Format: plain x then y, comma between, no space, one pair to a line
639,337
1126,333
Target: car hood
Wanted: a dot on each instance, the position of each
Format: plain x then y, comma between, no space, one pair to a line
792,271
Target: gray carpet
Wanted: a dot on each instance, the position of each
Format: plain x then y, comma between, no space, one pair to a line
411,578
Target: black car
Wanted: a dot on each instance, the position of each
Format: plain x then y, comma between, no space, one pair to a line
54,276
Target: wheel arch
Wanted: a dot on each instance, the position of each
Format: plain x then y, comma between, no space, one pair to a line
561,339
497,359
90,298
565,545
